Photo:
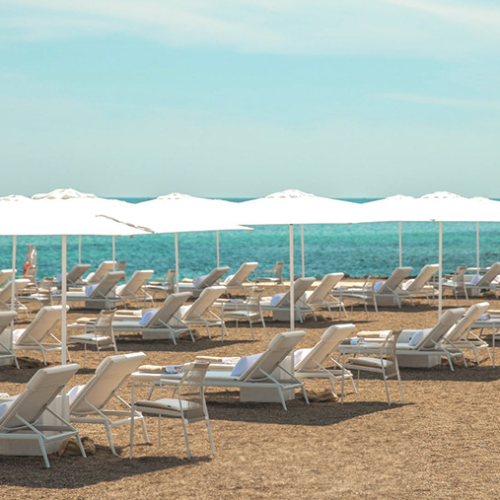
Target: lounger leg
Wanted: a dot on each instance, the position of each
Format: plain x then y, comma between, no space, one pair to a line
144,430
85,355
265,327
44,452
209,430
282,398
110,439
80,445
159,431
43,357
342,381
186,439
387,390
251,330
401,387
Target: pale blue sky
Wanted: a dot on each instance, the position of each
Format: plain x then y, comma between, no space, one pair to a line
220,98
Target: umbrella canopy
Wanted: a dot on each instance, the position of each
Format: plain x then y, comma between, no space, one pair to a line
296,207
291,207
62,194
180,213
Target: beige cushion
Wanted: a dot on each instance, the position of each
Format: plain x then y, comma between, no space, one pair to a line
370,362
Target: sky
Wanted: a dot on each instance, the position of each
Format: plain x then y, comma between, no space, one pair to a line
241,98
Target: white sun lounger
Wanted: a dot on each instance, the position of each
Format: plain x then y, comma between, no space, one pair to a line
20,419
309,363
6,294
104,268
75,276
100,296
196,314
90,403
240,278
6,318
382,293
281,310
321,298
33,337
258,375
133,288
487,282
420,285
5,275
203,281
158,324
460,337
274,275
429,342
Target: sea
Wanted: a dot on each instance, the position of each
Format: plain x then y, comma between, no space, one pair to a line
357,250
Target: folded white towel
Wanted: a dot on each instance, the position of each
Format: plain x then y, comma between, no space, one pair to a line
198,280
243,364
378,285
416,338
175,369
89,289
146,316
299,355
275,299
475,279
5,406
485,317
356,340
73,393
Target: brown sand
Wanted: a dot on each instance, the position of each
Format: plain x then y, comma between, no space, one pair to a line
441,443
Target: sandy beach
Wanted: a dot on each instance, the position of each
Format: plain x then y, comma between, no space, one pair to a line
441,443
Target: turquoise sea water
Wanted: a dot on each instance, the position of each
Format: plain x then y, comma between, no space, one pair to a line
358,250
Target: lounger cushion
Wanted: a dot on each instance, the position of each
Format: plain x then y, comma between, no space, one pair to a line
370,362
416,338
91,337
244,363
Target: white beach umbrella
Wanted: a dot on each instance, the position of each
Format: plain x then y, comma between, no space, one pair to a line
33,219
292,207
88,202
440,207
179,213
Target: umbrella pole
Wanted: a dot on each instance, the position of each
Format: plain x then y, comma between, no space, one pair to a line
113,245
176,262
217,243
440,269
13,286
292,288
302,248
400,245
63,314
477,247
79,249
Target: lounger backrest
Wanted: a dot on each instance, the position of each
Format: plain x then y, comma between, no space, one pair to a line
448,319
109,376
241,274
490,275
392,283
105,287
329,342
6,318
278,349
214,276
426,273
135,283
104,268
169,308
19,286
469,318
300,288
204,302
327,284
77,272
278,271
5,275
44,321
40,391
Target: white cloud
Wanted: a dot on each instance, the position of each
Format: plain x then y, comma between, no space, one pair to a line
411,27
